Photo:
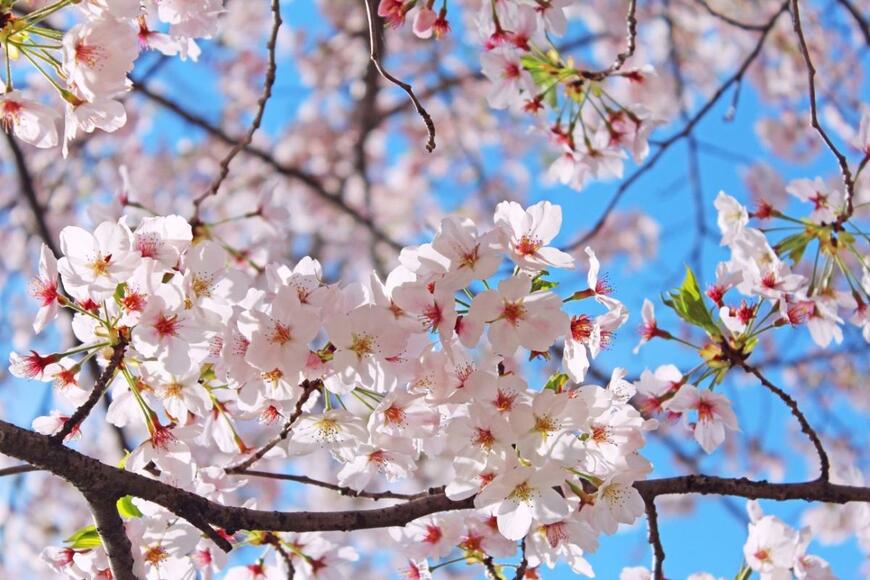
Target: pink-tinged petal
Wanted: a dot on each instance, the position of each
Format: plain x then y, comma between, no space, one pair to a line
515,524
709,434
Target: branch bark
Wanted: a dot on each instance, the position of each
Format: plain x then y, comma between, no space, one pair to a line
110,526
375,57
268,83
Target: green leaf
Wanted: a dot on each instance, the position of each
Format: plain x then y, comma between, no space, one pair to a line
688,302
793,247
86,538
556,382
127,508
539,282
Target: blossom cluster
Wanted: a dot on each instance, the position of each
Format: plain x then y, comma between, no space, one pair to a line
88,64
762,272
590,127
426,364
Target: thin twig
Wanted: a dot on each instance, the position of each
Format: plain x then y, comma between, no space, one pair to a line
308,387
16,469
630,47
268,83
655,540
524,563
824,462
346,491
25,178
848,180
682,134
859,18
310,180
727,19
375,57
96,393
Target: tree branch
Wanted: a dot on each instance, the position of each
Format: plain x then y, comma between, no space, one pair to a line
655,540
110,526
346,491
97,479
859,18
682,134
848,180
630,46
100,387
375,57
308,387
268,83
311,181
824,462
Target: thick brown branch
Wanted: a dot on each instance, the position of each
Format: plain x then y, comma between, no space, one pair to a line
524,562
96,478
375,57
268,83
100,387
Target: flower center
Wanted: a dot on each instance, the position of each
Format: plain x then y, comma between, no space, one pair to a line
394,415
522,493
513,312
362,344
166,325
281,334
528,245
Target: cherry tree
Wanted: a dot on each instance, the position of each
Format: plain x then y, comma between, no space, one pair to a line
304,304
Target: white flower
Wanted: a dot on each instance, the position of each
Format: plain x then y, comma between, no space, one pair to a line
94,264
98,55
522,495
516,317
526,233
714,414
31,122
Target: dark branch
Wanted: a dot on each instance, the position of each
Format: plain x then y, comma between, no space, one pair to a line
630,46
100,387
375,57
727,19
860,19
308,387
848,180
110,526
311,181
17,469
346,491
824,462
268,83
655,540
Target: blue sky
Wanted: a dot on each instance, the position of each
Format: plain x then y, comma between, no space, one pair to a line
710,538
